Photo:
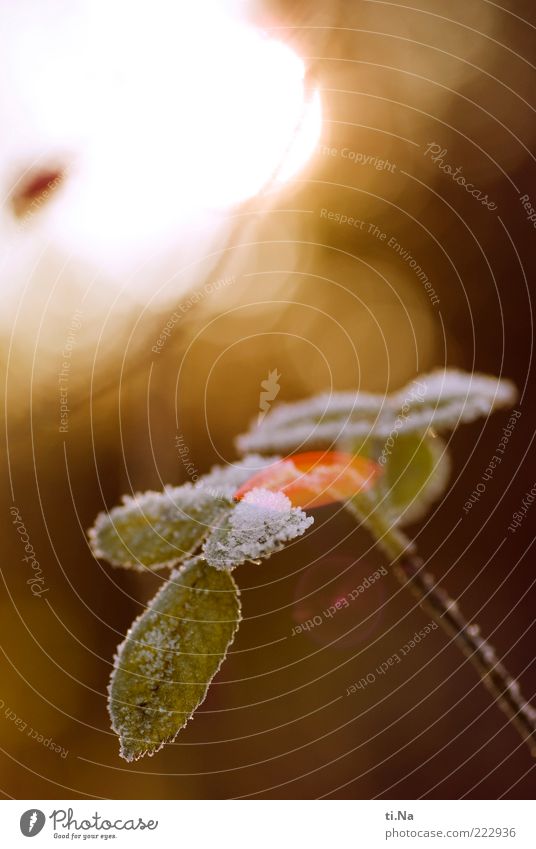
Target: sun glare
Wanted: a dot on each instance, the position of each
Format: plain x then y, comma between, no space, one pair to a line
197,112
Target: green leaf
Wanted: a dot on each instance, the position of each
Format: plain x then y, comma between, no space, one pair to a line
259,526
416,471
440,400
444,399
157,529
170,655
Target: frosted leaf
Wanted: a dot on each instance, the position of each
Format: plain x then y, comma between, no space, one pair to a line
223,481
442,399
447,398
157,529
319,422
258,526
170,655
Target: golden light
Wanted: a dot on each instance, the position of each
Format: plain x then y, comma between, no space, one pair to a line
172,113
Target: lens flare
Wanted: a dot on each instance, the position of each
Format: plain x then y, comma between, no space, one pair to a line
198,112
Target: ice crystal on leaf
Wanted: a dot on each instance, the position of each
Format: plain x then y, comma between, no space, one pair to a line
258,526
225,480
442,399
172,652
159,529
170,655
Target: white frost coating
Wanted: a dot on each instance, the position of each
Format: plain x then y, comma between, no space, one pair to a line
155,529
442,399
317,421
223,481
264,499
327,405
258,526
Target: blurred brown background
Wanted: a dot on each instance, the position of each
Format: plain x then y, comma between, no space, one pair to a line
329,306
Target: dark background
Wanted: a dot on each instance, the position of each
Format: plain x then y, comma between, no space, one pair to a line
330,307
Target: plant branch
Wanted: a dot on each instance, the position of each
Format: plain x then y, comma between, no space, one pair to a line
409,569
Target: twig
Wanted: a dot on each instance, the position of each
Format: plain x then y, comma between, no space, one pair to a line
409,569
446,612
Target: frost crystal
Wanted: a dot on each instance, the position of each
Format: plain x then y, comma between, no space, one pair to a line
258,526
170,655
442,399
223,481
156,529
257,500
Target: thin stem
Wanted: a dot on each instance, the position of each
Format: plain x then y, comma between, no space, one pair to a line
409,569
